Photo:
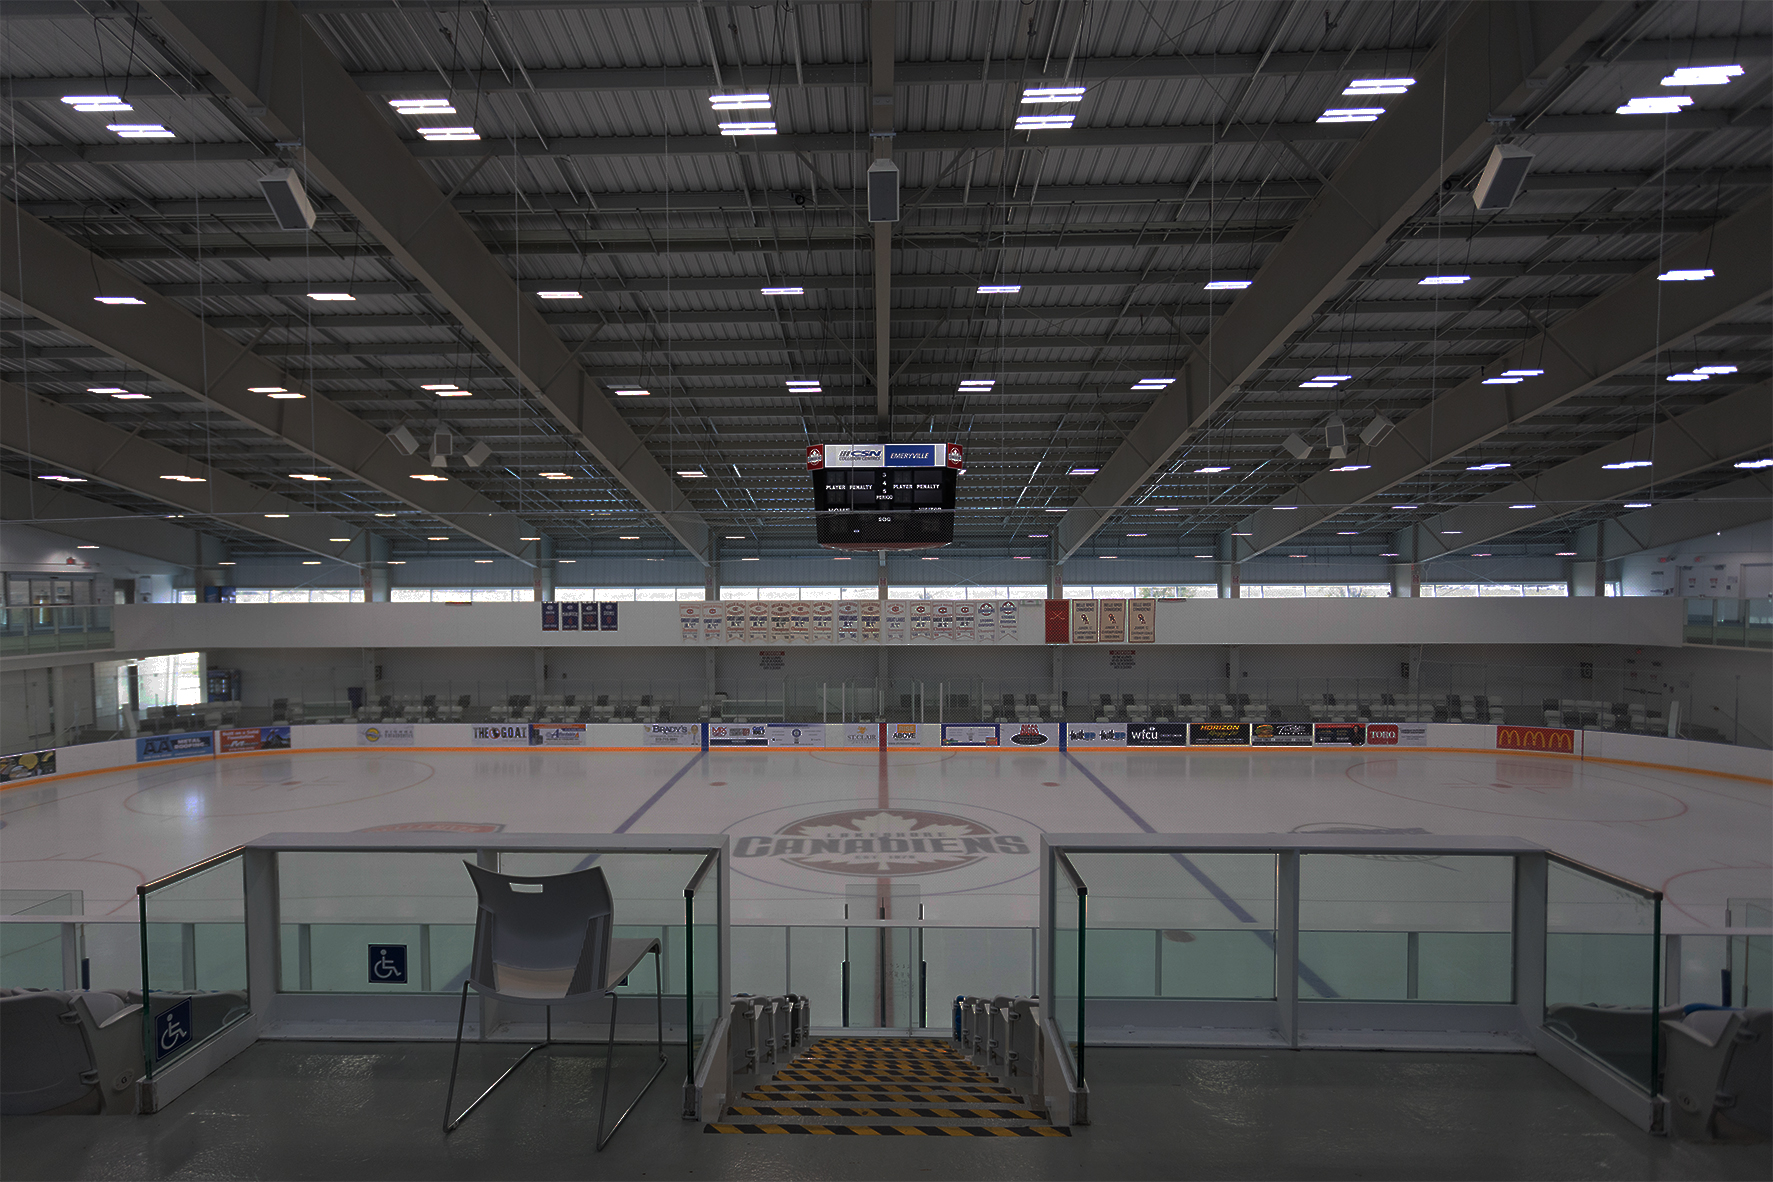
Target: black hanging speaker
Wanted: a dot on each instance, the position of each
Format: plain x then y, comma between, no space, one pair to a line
1500,183
288,200
883,191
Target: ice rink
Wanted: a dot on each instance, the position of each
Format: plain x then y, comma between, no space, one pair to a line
814,829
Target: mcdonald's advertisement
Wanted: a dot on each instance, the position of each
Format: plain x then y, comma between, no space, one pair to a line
1556,740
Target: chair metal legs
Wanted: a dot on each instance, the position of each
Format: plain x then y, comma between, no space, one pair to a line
609,1060
449,1123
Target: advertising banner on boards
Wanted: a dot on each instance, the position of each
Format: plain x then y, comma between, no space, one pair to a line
26,765
1029,734
968,735
1155,734
1536,738
1340,734
901,734
1097,734
859,734
1280,734
385,734
557,734
501,734
154,747
1219,734
796,734
738,734
1397,734
673,734
253,738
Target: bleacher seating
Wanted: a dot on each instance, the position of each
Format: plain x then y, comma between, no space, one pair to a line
69,1052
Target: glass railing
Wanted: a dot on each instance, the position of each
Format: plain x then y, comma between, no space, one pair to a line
1069,955
46,628
702,921
1739,623
193,958
1603,973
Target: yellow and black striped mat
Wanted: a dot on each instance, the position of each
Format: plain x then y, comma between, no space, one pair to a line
883,1087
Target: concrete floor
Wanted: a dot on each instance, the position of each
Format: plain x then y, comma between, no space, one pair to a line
374,1110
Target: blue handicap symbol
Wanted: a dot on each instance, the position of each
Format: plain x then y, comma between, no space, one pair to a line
387,964
172,1029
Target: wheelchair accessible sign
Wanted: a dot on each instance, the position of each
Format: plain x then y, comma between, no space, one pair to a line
387,964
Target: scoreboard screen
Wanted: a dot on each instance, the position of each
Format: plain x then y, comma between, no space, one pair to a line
884,496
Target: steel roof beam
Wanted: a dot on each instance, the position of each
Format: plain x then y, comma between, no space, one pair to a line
1482,67
1146,67
1669,523
270,59
1722,430
1625,328
56,280
52,507
33,425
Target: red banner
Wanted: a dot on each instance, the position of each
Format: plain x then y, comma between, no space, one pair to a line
1058,621
1536,738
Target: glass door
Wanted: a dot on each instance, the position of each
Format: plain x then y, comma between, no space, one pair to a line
884,978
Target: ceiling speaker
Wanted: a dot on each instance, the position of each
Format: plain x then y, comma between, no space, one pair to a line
1376,430
883,191
477,455
1500,182
404,441
287,199
1297,446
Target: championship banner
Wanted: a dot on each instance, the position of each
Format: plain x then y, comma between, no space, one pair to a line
1029,734
557,734
901,734
1084,618
1340,734
1397,734
1058,621
26,764
1098,734
738,734
174,746
1219,734
569,616
1155,734
795,734
385,734
606,617
501,734
1112,621
673,734
253,738
1141,621
859,734
1280,734
964,735
550,616
1536,738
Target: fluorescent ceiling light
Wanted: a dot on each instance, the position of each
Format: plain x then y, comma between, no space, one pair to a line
558,295
332,297
1298,556
633,393
483,562
117,300
438,539
999,288
1503,381
1522,373
1055,94
1332,377
86,547
1695,275
1637,504
1040,535
310,476
692,474
1763,462
628,538
284,395
1152,383
750,560
1228,284
1523,506
1235,534
1390,554
310,562
1284,508
1490,467
127,395
266,390
978,383
422,106
1685,76
181,479
1397,507
429,476
447,134
1167,509
1108,557
1352,468
1366,86
756,128
387,515
554,475
1135,535
1481,554
1715,369
1209,471
1654,104
1203,555
1351,115
276,515
1044,122
1565,554
1625,465
140,131
455,393
440,386
64,479
1055,510
338,539
1689,377
96,102
782,291
1317,385
106,390
1083,472
1347,533
739,102
1452,532
1443,280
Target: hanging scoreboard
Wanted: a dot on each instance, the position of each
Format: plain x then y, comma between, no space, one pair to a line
884,496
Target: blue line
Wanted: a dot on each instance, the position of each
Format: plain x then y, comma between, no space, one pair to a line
650,802
1218,892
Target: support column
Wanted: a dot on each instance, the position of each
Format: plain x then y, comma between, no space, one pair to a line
1406,580
882,596
710,675
1058,651
1234,667
540,665
1230,580
1055,579
544,573
375,570
369,677
207,572
711,582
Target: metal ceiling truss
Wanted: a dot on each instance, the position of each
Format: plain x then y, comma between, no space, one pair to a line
54,508
1748,501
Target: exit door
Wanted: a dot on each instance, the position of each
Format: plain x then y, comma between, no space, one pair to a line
885,978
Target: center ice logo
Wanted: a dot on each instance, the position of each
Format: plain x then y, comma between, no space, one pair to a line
881,842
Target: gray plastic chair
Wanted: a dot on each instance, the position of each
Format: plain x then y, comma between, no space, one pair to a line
543,941
1719,1073
68,1052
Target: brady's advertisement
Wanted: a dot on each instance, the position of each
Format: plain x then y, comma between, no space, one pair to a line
673,734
